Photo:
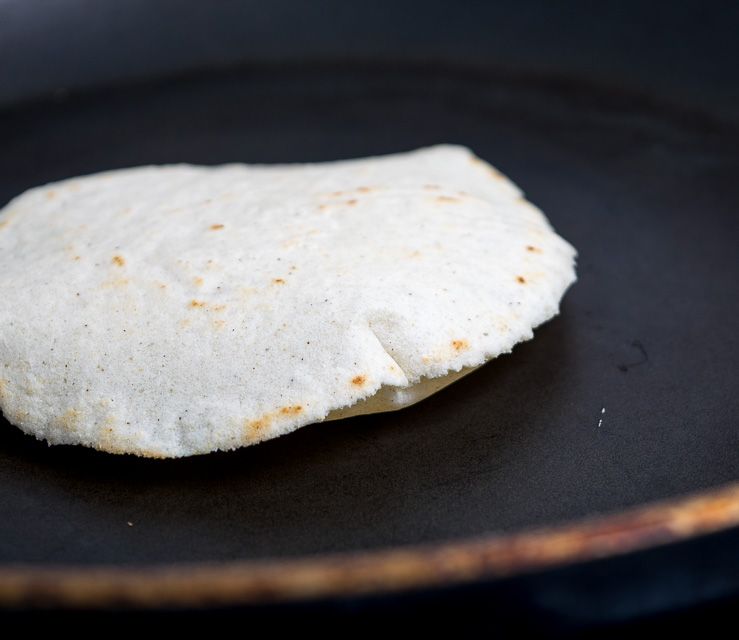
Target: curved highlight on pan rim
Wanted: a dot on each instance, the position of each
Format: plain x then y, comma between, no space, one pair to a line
204,586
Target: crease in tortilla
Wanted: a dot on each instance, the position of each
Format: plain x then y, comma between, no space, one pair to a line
390,398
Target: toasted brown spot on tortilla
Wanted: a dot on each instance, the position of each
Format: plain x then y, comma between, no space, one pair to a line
255,427
77,258
521,279
255,424
51,195
70,420
198,281
351,202
215,227
364,189
116,283
488,168
246,292
4,223
195,303
293,242
359,381
118,261
447,199
322,207
292,411
460,345
278,281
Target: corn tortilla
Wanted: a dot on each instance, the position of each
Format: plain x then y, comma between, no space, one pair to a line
168,311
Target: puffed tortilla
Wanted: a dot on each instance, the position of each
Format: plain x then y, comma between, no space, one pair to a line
168,311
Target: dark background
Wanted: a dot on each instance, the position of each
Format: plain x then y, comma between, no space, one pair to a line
686,50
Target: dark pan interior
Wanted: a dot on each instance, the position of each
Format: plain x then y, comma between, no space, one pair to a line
646,191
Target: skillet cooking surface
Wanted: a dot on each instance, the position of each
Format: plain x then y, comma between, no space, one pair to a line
646,192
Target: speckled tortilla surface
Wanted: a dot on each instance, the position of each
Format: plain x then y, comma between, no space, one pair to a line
168,311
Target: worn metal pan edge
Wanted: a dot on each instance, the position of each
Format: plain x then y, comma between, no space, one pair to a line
370,573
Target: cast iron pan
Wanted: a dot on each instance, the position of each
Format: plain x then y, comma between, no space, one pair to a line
589,477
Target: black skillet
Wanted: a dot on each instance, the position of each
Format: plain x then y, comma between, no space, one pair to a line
588,478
